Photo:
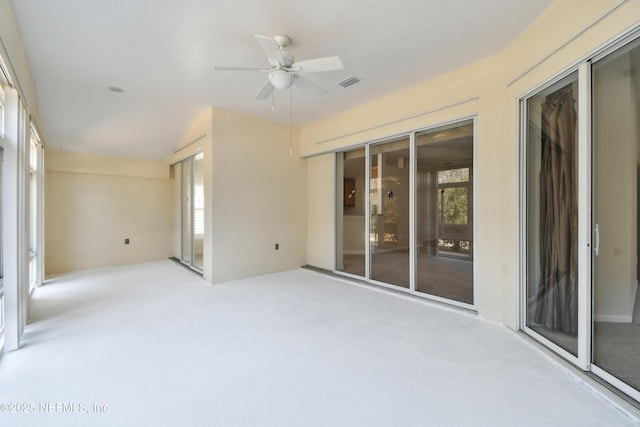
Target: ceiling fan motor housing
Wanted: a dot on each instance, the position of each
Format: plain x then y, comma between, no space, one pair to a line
282,40
288,59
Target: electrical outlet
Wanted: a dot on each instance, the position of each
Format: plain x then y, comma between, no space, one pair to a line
277,246
126,241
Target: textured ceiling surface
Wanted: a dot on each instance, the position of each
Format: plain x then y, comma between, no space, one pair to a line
162,53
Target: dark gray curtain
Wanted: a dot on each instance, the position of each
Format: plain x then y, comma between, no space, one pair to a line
557,297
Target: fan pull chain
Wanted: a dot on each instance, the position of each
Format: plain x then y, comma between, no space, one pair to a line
291,121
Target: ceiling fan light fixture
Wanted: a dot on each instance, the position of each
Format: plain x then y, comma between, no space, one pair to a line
280,79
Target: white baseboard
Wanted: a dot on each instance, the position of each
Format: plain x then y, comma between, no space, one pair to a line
607,318
617,318
352,252
378,250
633,299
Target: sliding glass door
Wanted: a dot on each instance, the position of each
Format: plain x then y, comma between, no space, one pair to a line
2,244
191,174
552,214
389,212
581,228
444,206
404,213
616,160
1,239
197,208
350,212
186,214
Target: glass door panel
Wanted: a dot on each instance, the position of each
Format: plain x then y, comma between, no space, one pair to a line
552,214
389,212
444,206
350,203
198,211
186,211
1,240
616,159
191,173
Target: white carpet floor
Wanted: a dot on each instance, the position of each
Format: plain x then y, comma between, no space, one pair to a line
154,345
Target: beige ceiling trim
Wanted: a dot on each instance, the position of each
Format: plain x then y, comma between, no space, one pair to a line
568,42
404,119
189,144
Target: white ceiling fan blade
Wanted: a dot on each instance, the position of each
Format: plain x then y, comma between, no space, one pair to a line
308,86
271,48
240,69
265,91
330,63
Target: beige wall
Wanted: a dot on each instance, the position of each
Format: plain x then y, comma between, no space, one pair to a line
320,211
259,198
483,89
92,203
255,195
615,192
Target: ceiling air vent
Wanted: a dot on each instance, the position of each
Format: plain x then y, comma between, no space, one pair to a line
349,81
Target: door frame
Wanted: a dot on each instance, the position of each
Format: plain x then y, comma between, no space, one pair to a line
412,210
191,160
585,238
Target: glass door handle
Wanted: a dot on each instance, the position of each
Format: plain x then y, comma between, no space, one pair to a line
596,235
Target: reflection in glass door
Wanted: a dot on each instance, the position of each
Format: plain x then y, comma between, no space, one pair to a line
616,160
552,214
389,212
350,212
186,198
444,204
198,211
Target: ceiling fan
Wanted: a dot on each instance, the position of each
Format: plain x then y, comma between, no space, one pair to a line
284,71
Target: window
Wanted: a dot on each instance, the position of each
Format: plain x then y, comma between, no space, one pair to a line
453,212
1,244
34,208
16,227
2,121
1,111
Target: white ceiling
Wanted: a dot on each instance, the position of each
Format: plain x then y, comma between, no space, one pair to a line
162,53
